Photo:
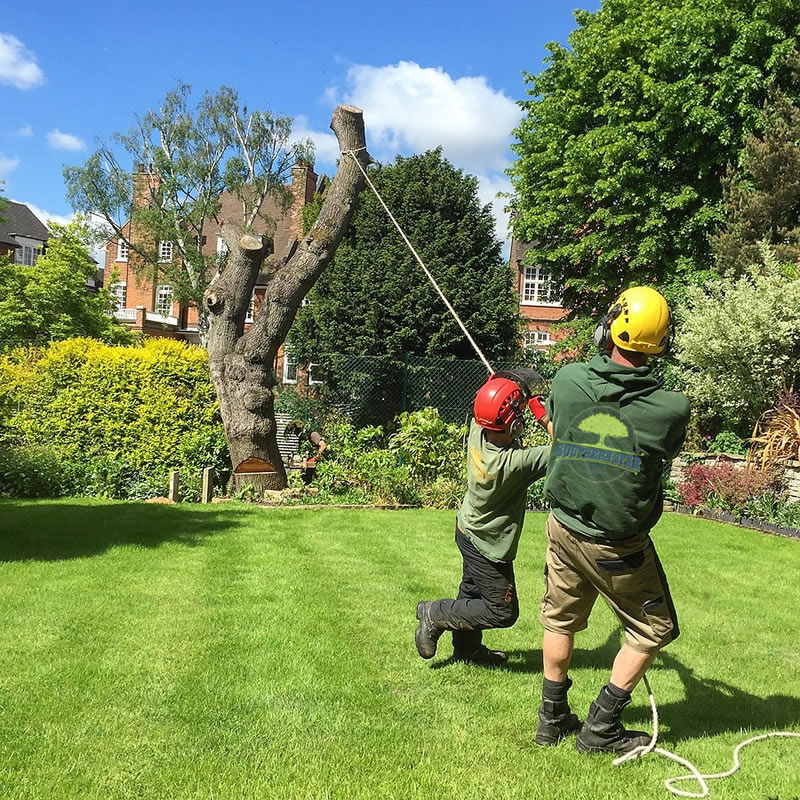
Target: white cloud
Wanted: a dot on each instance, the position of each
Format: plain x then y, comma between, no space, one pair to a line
64,141
326,148
44,216
18,65
25,130
7,165
409,108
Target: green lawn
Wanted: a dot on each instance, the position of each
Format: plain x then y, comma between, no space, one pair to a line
231,652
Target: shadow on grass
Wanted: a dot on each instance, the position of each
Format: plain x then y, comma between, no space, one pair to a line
711,706
708,707
43,531
531,660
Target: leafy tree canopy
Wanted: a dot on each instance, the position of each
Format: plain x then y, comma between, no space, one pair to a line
191,152
374,299
762,199
51,300
629,130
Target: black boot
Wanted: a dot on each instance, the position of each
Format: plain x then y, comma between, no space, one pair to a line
555,718
481,655
603,732
428,633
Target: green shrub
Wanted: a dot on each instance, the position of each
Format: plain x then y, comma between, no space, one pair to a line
739,346
33,472
727,442
430,447
117,418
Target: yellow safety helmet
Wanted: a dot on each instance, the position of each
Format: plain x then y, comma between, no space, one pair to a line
639,320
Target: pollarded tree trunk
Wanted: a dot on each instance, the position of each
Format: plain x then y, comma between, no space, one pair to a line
241,363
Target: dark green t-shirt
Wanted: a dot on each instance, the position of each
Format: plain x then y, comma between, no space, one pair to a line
614,429
493,508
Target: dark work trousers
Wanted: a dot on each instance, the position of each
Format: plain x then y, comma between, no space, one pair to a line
487,598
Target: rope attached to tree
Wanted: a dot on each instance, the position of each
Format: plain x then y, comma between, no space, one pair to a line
643,750
450,308
694,773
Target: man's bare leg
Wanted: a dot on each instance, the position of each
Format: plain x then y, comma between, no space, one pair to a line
556,655
629,666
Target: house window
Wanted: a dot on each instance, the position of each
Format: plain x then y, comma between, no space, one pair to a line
314,373
122,250
538,287
251,309
119,293
222,247
164,296
165,251
25,255
537,339
289,367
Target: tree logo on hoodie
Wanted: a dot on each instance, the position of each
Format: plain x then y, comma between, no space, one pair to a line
601,445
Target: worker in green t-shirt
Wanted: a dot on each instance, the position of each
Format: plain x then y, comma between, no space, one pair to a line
614,430
488,526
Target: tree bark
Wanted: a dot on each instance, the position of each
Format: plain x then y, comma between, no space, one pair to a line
242,363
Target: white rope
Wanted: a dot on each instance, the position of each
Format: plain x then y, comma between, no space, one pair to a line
463,327
694,773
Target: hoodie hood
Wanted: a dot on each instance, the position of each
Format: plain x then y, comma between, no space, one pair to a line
610,382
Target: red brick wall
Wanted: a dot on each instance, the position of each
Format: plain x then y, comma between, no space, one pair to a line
282,227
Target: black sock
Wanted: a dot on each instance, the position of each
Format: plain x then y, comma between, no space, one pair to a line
615,691
555,690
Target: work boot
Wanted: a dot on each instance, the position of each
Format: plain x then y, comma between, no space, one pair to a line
555,718
482,656
603,732
428,633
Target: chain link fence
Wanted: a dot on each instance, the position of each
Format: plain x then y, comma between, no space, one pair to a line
372,390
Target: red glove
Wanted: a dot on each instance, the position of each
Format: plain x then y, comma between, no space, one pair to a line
537,408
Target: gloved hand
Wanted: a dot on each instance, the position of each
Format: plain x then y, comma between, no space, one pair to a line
536,405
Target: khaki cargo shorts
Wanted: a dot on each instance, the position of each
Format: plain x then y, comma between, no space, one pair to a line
627,574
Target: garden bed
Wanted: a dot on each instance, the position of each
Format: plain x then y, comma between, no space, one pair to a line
732,519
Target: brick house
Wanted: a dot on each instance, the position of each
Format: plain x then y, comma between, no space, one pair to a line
23,236
539,300
147,303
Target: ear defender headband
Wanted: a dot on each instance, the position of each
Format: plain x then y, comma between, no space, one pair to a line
602,333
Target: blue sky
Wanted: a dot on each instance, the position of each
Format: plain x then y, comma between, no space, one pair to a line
426,74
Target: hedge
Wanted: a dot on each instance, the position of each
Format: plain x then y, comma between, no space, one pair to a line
82,417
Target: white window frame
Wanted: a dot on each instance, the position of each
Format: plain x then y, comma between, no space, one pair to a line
222,245
311,379
123,249
537,287
165,252
163,291
119,291
287,360
533,339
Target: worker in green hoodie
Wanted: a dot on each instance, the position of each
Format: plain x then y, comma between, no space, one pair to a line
614,430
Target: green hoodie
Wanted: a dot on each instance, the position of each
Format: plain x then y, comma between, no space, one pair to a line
614,429
493,509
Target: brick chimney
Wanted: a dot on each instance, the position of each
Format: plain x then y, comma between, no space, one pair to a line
304,184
